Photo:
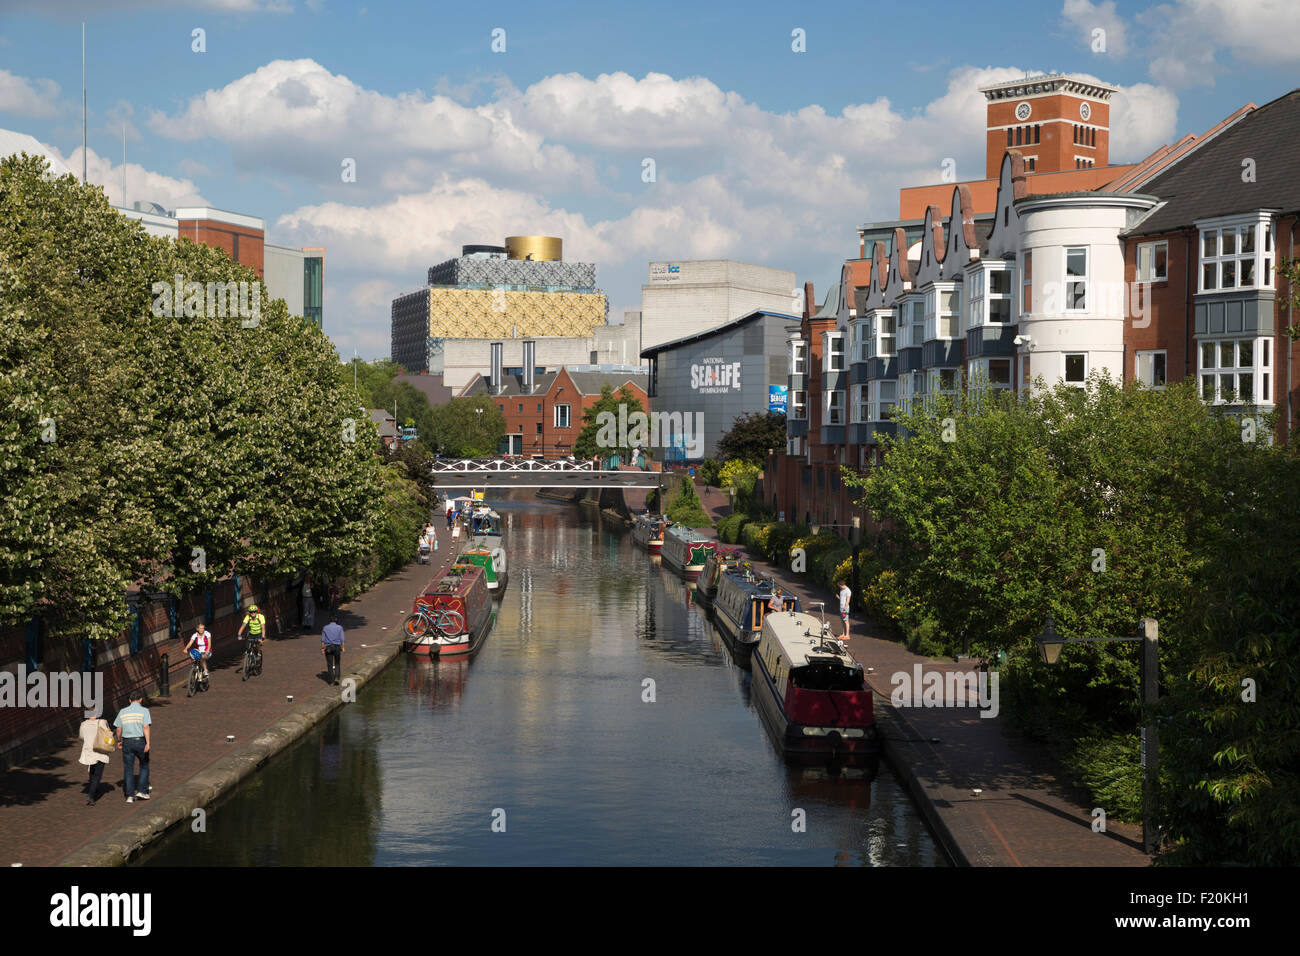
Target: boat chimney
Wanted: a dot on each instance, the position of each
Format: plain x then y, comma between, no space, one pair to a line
530,360
494,375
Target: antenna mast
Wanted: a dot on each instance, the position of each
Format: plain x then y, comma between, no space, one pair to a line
83,103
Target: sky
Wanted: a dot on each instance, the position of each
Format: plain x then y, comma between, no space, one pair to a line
469,122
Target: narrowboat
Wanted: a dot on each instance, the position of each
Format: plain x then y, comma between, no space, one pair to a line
484,528
811,693
648,531
721,560
494,568
463,589
685,551
742,603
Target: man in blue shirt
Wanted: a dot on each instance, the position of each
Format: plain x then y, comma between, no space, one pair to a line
132,726
331,639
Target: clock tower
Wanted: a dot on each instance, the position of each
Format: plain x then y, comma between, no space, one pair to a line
1057,122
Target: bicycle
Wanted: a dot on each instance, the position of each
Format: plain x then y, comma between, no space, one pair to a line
252,659
444,621
198,679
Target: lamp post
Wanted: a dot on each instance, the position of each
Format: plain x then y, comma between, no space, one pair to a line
1050,644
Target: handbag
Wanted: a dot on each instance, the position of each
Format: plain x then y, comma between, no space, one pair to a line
105,742
435,544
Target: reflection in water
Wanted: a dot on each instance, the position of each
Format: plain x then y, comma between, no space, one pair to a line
549,726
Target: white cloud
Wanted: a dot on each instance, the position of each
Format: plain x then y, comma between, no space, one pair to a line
192,167
141,184
23,97
1142,118
1087,17
1189,34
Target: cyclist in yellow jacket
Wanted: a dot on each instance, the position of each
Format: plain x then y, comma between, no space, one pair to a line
255,621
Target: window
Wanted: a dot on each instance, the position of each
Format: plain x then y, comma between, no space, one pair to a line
1026,282
975,300
1075,367
798,404
918,322
861,410
1031,163
1237,257
886,327
539,408
1153,262
1151,368
1076,279
886,392
501,407
1231,370
561,416
539,428
1009,143
1036,132
1000,372
799,350
832,352
521,408
1020,130
834,408
942,308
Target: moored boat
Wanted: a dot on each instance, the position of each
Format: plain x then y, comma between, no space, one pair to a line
719,560
493,563
742,603
648,531
484,528
462,593
685,551
810,691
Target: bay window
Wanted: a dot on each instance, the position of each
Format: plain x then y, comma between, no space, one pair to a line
1236,371
834,408
1076,279
832,351
798,352
1151,368
798,404
1237,255
861,404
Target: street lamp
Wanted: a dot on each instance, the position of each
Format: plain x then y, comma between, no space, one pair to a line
1050,644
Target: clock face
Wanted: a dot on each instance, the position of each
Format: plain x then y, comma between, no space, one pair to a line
1085,110
1023,111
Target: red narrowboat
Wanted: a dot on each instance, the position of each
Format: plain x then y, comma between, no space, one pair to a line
453,616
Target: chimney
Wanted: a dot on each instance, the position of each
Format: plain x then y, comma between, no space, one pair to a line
530,361
494,375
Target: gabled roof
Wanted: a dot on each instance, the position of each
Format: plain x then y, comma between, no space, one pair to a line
1216,180
590,383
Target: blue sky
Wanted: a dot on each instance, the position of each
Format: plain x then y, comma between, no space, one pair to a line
761,154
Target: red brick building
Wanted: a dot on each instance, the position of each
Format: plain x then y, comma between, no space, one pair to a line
544,412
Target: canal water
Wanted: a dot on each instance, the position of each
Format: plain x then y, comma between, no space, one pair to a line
547,749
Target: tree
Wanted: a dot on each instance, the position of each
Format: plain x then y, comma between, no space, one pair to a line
600,432
173,444
468,428
685,507
751,436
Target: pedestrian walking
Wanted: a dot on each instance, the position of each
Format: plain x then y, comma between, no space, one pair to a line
134,739
451,512
331,639
845,595
308,604
335,594
94,730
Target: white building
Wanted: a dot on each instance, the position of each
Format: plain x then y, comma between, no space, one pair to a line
684,298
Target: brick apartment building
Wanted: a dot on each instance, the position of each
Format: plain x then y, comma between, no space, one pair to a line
1156,272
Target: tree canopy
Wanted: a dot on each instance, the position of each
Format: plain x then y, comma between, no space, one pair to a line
152,449
750,437
600,435
468,428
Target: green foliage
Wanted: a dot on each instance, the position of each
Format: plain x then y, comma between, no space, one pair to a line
751,436
754,537
599,434
781,539
1110,768
742,476
468,427
729,528
685,507
403,512
171,434
708,472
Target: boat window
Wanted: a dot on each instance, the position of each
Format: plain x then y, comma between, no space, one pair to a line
826,675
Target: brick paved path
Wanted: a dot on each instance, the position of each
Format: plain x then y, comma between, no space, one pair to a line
1026,815
43,812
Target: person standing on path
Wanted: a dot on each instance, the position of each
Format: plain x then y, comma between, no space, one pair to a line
331,639
845,596
94,761
308,604
451,512
133,738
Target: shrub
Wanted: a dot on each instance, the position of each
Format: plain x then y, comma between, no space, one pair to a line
686,509
729,528
781,539
709,471
755,536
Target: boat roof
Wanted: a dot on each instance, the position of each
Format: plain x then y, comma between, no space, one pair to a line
799,636
751,584
687,534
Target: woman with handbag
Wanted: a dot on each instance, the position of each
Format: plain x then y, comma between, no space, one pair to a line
97,742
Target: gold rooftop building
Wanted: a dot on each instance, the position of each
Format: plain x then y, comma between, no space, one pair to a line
523,289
